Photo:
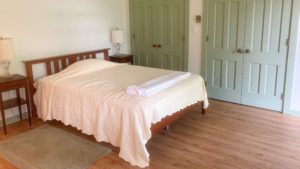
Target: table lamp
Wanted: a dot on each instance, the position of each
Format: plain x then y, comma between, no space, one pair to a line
7,53
117,38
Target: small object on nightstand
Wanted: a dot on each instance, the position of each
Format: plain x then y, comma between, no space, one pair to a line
122,58
15,82
7,53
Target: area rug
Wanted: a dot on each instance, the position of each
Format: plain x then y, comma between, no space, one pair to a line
47,147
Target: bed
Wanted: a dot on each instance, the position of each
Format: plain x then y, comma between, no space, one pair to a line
90,94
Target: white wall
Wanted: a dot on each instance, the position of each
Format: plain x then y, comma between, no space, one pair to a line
295,106
195,37
43,28
292,88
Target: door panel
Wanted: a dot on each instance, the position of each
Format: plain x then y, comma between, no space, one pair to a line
266,32
170,31
225,35
159,22
143,28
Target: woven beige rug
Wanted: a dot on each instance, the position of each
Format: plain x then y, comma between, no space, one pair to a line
47,147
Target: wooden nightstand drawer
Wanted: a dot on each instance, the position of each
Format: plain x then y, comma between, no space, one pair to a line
122,58
12,86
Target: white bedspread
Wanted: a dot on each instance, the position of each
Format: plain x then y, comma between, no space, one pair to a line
91,96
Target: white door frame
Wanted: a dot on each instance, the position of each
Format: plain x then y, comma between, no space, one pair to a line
290,73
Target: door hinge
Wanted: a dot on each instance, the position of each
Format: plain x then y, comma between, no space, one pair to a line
205,82
133,36
207,38
287,43
282,96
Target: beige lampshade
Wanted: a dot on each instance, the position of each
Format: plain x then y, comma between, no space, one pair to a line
6,49
117,36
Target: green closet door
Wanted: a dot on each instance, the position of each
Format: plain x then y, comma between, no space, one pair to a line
158,28
247,51
226,23
267,31
143,28
169,33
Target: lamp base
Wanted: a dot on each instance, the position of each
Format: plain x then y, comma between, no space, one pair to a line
118,47
7,76
5,70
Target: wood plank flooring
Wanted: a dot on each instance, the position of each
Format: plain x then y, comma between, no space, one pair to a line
229,136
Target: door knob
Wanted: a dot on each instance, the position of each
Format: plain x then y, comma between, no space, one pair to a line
248,51
239,51
154,46
159,45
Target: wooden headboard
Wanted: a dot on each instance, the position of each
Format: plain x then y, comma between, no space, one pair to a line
56,64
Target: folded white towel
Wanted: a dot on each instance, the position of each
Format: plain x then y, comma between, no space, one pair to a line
158,84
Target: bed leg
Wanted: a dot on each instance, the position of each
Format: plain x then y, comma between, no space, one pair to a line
203,110
167,129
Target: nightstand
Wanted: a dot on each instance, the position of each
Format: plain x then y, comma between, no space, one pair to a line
122,58
14,83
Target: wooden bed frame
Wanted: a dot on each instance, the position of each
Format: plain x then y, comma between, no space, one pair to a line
57,63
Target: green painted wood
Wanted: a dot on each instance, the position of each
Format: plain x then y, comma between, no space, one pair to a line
156,22
143,29
262,26
187,37
267,29
205,20
225,28
170,34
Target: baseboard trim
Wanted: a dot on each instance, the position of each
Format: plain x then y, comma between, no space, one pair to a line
293,113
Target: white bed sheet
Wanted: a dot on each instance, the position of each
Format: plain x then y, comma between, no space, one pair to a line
91,96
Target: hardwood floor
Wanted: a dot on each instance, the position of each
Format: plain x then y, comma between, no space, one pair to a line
229,136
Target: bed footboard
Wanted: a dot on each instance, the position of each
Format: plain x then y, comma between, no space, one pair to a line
167,121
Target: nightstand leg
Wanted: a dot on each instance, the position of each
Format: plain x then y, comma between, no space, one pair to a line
19,103
2,114
28,102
